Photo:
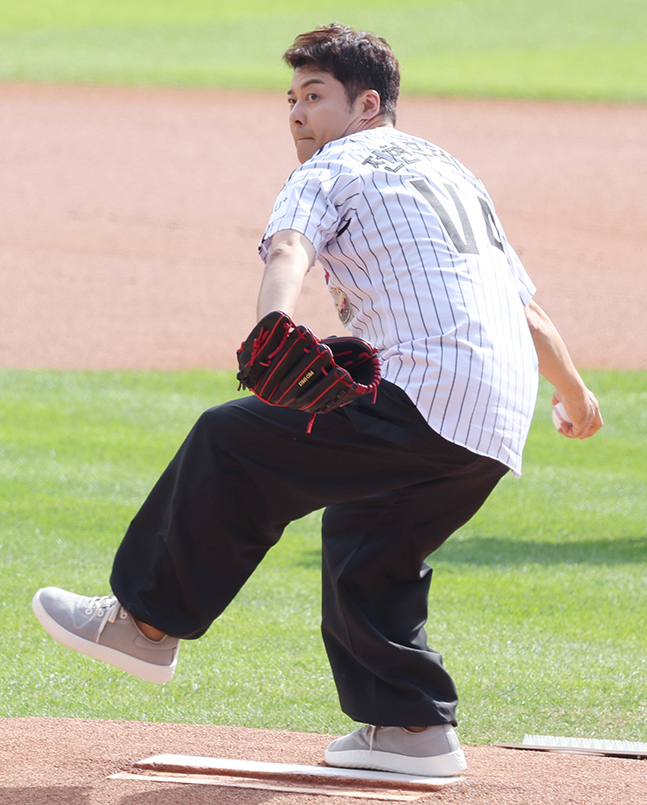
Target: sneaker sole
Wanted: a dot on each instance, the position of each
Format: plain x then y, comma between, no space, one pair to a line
448,765
118,659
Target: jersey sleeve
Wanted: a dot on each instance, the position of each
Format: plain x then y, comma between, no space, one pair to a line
306,205
525,285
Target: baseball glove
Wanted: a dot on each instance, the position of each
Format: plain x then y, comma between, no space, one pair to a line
286,364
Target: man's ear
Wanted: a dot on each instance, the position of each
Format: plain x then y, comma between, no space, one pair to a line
371,104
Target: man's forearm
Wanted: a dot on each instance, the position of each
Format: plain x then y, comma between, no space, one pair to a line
556,366
280,289
290,258
555,363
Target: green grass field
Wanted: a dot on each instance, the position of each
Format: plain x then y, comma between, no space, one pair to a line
575,49
537,604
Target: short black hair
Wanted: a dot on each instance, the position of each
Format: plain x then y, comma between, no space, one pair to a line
359,60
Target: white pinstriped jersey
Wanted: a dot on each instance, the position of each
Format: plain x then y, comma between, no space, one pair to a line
418,265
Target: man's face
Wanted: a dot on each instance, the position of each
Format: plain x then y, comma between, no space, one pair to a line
320,111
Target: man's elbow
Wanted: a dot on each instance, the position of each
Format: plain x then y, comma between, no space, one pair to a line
534,317
291,245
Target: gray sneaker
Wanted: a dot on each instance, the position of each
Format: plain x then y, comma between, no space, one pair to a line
101,628
435,752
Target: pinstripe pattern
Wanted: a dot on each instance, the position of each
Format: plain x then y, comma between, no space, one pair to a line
409,238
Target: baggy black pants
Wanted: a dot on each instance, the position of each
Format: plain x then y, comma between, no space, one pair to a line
393,491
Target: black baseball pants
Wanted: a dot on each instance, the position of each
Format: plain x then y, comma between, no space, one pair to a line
393,491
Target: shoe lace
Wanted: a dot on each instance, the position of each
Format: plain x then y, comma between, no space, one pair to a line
106,607
371,729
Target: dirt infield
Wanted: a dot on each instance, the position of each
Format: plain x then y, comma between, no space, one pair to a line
131,219
68,762
129,231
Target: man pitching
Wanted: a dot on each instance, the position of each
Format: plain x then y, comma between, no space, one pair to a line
419,266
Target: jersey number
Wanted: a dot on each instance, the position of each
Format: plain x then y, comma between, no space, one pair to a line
465,244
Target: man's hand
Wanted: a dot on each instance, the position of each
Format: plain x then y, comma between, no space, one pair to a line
583,412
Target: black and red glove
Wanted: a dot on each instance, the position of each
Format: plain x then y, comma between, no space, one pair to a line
286,364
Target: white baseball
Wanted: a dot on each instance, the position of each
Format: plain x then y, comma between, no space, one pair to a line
560,417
